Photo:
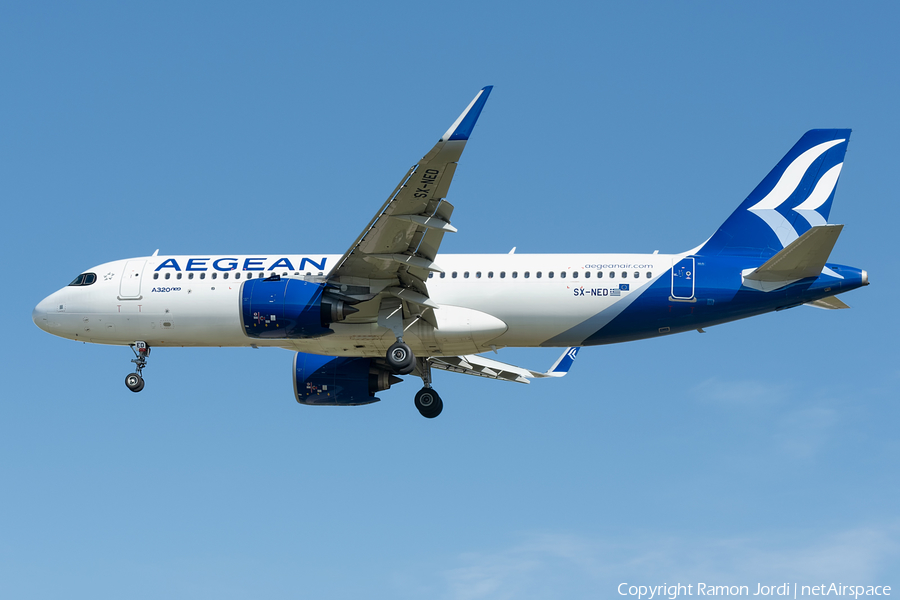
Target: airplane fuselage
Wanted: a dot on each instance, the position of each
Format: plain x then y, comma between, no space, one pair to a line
485,301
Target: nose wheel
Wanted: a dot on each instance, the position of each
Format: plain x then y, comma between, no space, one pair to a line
135,381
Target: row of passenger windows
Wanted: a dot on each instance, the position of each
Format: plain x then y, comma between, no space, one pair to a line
214,275
550,274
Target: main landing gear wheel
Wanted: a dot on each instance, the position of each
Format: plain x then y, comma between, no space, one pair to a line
429,403
134,382
400,358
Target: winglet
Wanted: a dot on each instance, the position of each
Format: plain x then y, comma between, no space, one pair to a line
462,127
563,363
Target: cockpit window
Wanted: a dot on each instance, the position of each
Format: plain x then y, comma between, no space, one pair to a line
84,279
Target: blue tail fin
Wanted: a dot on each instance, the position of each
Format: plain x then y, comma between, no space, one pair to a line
795,196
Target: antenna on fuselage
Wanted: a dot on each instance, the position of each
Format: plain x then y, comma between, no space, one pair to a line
155,252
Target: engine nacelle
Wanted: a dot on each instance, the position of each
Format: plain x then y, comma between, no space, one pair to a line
339,380
288,308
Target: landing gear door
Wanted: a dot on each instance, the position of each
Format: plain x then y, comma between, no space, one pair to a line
683,279
130,285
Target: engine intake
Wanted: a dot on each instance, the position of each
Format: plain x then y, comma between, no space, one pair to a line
289,308
339,380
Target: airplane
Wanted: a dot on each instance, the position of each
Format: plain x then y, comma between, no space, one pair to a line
391,305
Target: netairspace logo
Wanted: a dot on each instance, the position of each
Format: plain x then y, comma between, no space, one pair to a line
649,592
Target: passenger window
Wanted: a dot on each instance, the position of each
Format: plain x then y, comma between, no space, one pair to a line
214,275
202,275
178,276
320,274
574,274
453,275
649,274
562,274
599,274
527,274
538,274
502,274
490,274
224,275
478,275
624,274
466,274
168,275
612,274
637,275
430,274
237,275
550,274
155,276
515,274
443,275
587,274
190,275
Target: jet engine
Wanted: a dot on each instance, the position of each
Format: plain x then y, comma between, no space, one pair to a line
278,308
339,380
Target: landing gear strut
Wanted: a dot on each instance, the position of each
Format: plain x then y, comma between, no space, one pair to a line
428,402
134,381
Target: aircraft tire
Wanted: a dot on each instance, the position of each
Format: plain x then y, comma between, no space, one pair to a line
134,382
428,403
401,359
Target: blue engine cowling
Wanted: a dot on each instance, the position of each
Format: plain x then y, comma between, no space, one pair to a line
339,380
288,308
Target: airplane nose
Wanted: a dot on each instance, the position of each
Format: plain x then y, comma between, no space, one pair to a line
40,314
865,277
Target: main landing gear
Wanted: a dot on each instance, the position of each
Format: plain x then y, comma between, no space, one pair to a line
428,402
403,362
134,381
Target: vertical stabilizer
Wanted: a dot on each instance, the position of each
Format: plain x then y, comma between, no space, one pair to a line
793,198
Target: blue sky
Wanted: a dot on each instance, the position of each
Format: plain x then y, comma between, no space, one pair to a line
763,451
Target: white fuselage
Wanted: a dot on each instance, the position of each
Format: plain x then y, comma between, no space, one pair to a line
485,301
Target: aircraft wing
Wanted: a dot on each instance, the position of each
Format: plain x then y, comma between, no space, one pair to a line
400,243
475,364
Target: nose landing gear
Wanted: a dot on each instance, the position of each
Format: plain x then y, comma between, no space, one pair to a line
134,381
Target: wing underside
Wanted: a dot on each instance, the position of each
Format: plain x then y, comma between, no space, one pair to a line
396,251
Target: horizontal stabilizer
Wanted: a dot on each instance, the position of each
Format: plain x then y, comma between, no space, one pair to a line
830,303
474,364
804,257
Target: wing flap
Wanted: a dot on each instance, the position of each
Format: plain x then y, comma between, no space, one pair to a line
481,366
